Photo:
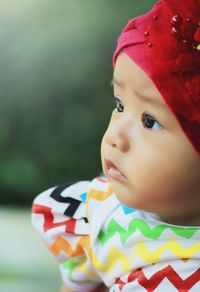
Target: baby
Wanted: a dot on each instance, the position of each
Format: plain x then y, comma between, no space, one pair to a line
138,228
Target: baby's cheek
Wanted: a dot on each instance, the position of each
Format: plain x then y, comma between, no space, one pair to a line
102,147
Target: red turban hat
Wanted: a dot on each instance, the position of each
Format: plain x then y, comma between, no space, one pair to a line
165,43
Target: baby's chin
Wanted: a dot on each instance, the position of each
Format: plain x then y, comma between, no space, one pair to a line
135,200
130,198
139,199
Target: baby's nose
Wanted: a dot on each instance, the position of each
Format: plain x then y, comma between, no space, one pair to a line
117,135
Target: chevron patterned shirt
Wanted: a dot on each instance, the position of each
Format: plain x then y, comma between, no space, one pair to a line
97,239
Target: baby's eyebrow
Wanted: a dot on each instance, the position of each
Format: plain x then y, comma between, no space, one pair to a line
152,101
147,99
114,81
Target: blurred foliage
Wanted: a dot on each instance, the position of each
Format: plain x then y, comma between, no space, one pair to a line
55,71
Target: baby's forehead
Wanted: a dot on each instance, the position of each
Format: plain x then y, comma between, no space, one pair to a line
126,70
128,74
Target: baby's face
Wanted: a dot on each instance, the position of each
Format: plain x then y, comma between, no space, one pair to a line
145,154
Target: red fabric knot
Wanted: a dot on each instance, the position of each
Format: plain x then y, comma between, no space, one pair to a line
197,35
193,88
197,38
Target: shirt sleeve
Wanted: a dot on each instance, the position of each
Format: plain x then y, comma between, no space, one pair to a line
59,215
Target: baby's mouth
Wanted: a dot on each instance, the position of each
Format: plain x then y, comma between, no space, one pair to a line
113,171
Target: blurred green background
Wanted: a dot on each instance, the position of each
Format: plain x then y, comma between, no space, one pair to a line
56,99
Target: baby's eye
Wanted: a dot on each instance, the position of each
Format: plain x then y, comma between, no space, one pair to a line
118,105
149,122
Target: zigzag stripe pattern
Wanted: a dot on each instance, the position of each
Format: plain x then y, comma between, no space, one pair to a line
153,233
83,267
99,195
141,250
70,266
61,244
49,219
153,282
115,256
